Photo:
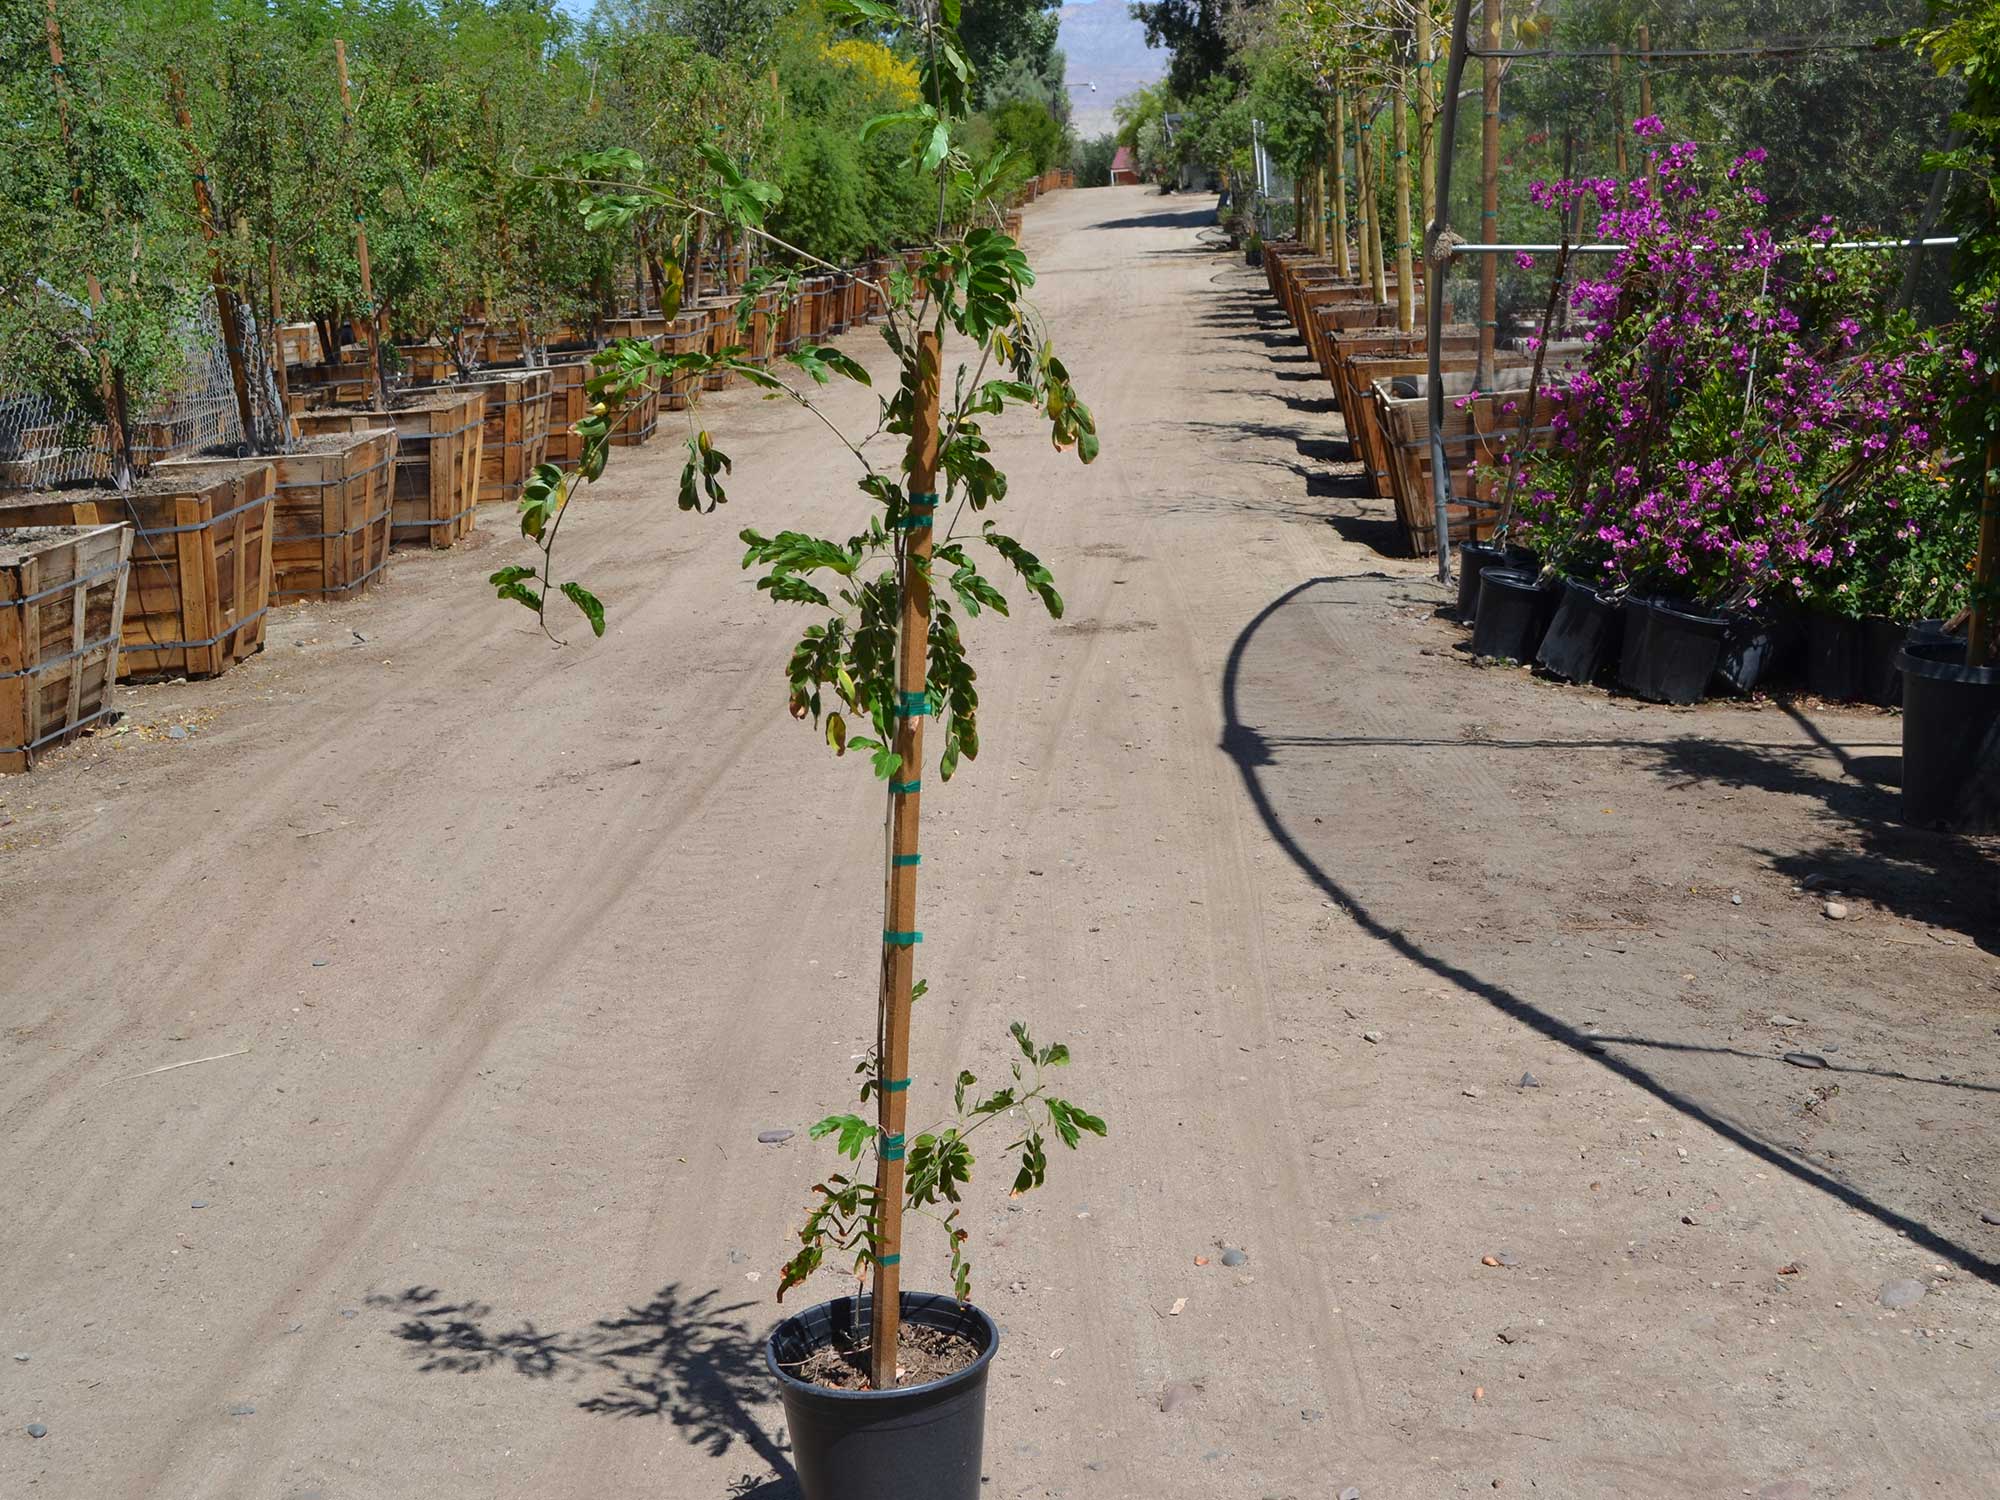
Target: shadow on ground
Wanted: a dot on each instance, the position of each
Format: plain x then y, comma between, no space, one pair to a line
688,1360
1194,218
1255,749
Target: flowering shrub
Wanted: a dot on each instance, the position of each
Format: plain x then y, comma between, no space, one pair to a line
1744,416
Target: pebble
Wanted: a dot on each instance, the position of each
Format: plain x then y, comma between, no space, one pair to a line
199,1203
773,1137
1805,1059
242,1411
36,1429
350,1312
1903,1293
20,1359
1785,1020
1371,1036
1836,911
1232,1257
1986,1216
1530,1081
177,733
1735,900
319,963
1506,1258
1350,1493
1308,1415
1474,1092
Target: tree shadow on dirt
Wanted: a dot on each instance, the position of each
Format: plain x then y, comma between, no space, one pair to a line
1938,879
1252,748
688,1360
1194,218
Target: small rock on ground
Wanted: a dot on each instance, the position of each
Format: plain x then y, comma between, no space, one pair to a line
1902,1293
1371,1036
1805,1059
1350,1493
1836,911
36,1429
1986,1216
1474,1092
773,1137
242,1411
1530,1081
1232,1257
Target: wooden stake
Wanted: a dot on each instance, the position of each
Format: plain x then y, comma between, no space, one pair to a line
110,387
218,275
1406,293
1979,632
899,922
1645,70
378,369
1489,197
279,370
1343,263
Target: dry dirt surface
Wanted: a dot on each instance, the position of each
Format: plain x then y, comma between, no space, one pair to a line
506,956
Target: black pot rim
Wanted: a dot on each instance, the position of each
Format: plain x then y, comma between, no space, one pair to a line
1680,612
958,1378
1918,664
1513,578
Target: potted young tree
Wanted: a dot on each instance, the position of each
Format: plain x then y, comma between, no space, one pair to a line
884,1389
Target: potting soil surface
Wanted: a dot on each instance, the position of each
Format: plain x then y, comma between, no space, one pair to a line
16,542
395,1062
922,1355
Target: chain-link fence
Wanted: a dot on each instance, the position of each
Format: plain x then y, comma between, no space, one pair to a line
47,442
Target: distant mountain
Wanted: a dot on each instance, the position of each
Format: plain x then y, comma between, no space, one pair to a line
1103,45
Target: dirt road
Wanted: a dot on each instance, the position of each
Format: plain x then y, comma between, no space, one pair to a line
527,946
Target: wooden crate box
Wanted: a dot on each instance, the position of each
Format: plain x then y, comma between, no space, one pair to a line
62,610
439,436
641,417
517,430
200,584
569,403
687,334
1478,434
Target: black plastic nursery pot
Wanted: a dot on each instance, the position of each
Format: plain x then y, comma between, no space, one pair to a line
1949,711
1834,646
918,1442
1754,650
1670,650
1514,613
1474,558
1584,635
1881,660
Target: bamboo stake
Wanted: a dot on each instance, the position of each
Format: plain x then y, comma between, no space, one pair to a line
278,366
1645,70
1371,217
899,925
1489,197
1319,206
218,275
1405,269
378,370
1618,120
1342,261
1426,114
1437,262
111,386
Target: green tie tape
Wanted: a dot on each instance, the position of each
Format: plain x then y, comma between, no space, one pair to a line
892,1148
903,860
896,1086
904,788
914,705
888,1260
901,939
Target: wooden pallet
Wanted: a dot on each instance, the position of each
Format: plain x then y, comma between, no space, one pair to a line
62,611
437,462
200,584
517,430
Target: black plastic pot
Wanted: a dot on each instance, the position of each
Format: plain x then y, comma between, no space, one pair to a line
1584,634
918,1442
1833,657
1949,711
1670,651
1514,613
1475,558
1881,667
1754,650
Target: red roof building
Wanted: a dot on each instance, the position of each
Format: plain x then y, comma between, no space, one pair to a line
1124,167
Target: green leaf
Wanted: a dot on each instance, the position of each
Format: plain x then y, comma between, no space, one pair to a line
940,143
514,574
855,1133
592,607
879,123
